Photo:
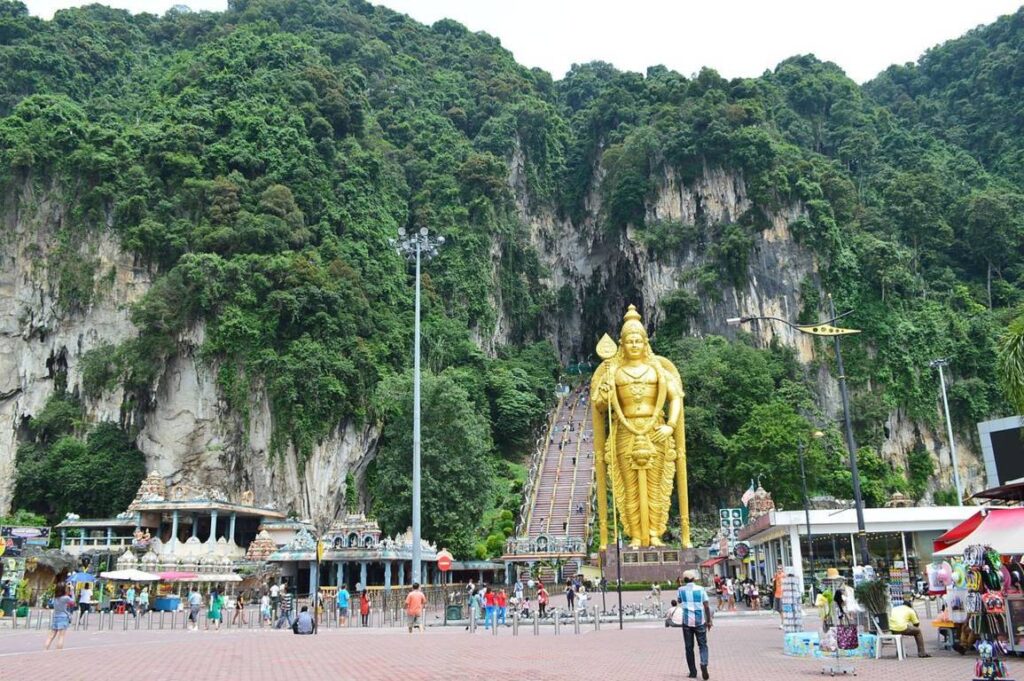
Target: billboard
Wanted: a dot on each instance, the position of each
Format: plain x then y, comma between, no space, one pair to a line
1002,449
15,538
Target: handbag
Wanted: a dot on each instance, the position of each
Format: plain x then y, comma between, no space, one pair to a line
846,636
674,617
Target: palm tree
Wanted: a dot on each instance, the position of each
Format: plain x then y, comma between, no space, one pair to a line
1011,363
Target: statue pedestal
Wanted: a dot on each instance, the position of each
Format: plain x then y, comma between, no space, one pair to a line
650,563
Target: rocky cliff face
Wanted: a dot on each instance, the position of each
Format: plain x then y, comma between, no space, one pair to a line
608,273
187,433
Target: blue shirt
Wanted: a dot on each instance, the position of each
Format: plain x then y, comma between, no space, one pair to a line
692,598
343,598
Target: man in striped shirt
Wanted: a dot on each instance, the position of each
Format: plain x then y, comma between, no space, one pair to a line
693,601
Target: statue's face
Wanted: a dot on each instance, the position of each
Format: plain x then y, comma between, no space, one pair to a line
634,345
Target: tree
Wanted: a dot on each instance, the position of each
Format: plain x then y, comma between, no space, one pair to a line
456,468
1011,363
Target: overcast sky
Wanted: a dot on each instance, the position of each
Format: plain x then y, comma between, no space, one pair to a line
735,37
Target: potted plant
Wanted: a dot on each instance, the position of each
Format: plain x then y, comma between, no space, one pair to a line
873,595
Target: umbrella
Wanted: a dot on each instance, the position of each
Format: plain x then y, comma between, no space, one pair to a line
177,576
76,577
131,575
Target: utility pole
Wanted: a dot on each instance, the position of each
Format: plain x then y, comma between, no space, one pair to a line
940,363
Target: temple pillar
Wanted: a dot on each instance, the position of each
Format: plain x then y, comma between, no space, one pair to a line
339,573
314,579
362,573
195,524
213,526
401,573
387,575
231,528
174,529
110,535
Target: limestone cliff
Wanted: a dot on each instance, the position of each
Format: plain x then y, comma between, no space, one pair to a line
609,272
186,432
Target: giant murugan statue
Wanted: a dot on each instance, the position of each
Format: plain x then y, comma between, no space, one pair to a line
639,436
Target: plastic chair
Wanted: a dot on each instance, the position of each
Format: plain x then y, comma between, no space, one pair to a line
884,637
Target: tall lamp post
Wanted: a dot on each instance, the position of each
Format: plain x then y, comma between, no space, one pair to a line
826,329
807,508
940,363
416,246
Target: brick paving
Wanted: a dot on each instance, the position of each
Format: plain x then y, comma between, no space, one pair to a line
741,648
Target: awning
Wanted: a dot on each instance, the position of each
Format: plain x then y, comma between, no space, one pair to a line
999,528
712,562
224,577
1011,491
177,576
957,533
131,575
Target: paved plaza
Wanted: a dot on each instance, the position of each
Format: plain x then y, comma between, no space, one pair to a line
745,647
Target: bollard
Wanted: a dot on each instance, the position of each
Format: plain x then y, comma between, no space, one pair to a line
575,621
927,608
515,622
14,618
149,620
39,620
536,624
558,621
597,620
136,618
125,621
472,619
253,613
161,620
494,621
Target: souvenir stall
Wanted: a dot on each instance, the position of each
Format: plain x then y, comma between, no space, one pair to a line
978,571
840,638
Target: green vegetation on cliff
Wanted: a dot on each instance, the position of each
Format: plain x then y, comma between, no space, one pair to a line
258,161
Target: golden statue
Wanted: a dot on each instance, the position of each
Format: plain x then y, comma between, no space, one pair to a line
639,446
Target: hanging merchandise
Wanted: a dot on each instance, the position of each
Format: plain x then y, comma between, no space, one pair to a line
940,577
988,666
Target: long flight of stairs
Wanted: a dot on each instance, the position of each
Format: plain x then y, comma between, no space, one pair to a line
561,505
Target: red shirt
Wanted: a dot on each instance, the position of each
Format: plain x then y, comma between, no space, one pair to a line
542,596
502,599
489,599
364,605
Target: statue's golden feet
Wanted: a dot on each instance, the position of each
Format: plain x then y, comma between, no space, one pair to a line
655,541
634,544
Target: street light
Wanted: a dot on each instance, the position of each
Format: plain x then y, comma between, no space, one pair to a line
940,363
416,246
827,329
807,505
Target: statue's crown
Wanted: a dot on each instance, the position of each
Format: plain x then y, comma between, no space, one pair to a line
632,323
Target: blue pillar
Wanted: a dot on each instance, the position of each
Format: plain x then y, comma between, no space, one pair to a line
231,528
213,526
387,575
362,573
314,578
401,573
339,574
110,535
174,529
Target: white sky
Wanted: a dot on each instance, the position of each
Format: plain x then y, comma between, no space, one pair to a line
735,37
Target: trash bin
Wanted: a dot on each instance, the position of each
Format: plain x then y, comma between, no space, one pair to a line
453,612
7,605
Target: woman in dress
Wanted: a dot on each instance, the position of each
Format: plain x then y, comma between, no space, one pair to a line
214,614
62,605
364,608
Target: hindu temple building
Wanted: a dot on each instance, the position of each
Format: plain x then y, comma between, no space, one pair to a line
355,554
170,528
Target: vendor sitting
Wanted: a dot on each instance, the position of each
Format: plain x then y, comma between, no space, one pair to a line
304,623
904,621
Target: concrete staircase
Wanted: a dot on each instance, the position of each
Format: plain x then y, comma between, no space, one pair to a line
562,490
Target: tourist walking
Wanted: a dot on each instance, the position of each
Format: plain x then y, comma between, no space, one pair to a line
542,600
490,603
84,602
144,600
696,622
195,602
364,608
570,596
780,575
343,598
275,599
501,602
265,609
129,600
414,603
239,610
214,613
63,604
286,600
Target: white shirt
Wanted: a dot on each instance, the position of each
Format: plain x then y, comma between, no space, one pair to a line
265,601
274,590
85,596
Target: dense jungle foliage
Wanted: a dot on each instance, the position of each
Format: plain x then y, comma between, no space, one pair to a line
259,160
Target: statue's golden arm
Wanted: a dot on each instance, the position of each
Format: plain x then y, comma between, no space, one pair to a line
677,418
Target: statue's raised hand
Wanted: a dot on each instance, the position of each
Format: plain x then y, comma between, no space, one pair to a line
662,433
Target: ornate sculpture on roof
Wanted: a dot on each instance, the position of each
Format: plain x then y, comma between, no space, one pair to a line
897,500
247,498
302,541
152,488
261,547
761,503
185,491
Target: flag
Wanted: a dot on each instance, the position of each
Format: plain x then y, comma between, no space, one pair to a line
748,495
